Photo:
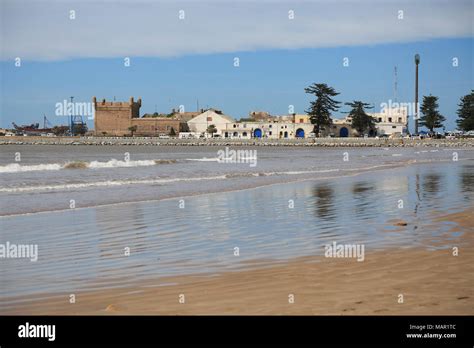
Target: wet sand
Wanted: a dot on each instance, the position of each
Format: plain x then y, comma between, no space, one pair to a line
433,282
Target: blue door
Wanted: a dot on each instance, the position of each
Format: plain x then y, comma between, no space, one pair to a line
300,133
344,132
257,133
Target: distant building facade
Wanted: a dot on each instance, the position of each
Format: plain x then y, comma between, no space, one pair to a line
340,128
123,118
391,121
268,130
117,119
269,127
211,117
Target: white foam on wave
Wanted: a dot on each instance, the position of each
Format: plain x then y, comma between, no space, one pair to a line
300,172
112,183
18,168
204,159
113,163
107,183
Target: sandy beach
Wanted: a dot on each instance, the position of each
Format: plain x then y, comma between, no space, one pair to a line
433,282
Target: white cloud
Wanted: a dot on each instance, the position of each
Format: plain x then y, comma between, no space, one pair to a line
42,30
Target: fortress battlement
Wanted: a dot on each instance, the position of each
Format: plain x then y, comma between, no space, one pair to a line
103,104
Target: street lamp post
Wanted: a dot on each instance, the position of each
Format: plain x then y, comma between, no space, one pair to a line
417,62
71,128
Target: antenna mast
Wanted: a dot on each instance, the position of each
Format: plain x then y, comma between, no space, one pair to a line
395,87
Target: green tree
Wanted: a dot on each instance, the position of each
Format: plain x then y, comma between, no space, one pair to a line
320,109
431,118
466,113
80,129
360,120
212,129
60,130
132,129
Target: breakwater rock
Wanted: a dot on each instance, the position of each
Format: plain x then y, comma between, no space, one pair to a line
319,142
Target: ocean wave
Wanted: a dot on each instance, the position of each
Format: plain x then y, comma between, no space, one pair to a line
204,159
223,160
113,163
244,175
301,172
76,165
165,161
112,183
18,168
107,183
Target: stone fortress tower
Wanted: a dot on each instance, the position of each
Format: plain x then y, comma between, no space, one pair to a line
115,118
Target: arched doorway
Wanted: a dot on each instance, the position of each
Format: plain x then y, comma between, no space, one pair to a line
344,132
226,135
244,134
371,133
300,133
257,133
236,134
286,135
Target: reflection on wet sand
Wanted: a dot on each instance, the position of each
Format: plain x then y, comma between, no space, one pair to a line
467,178
431,184
324,194
364,200
418,193
166,240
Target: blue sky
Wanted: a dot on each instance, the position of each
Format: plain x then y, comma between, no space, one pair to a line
276,63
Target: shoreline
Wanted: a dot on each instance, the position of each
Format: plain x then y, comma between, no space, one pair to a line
347,174
433,282
308,142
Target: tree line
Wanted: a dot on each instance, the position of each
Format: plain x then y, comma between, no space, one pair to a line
321,108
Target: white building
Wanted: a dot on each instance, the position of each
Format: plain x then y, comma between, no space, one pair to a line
200,123
391,121
268,130
283,127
